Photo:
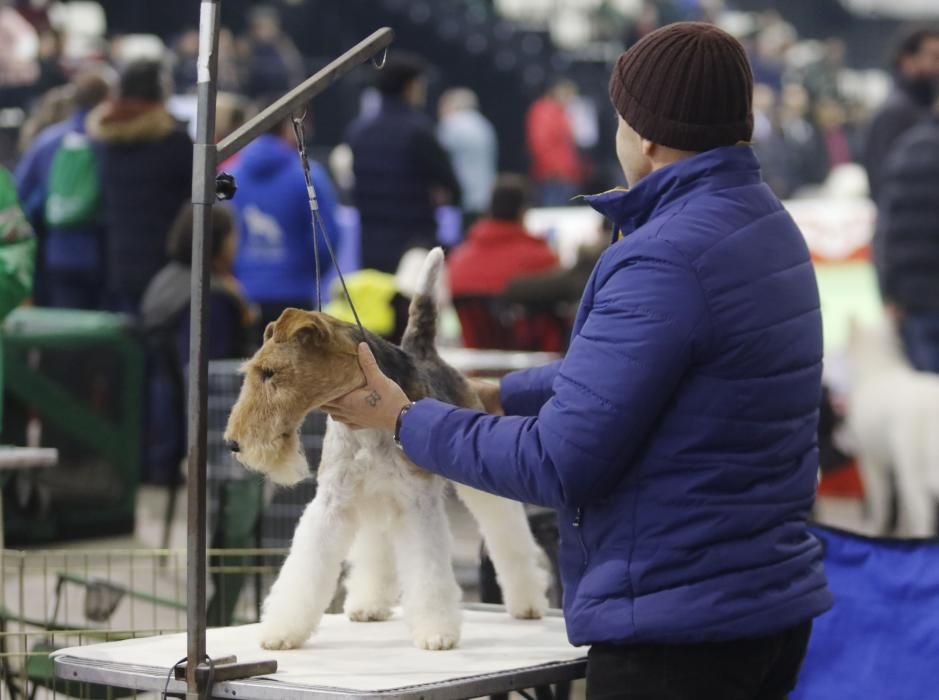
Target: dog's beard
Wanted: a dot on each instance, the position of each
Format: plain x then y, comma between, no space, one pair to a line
282,461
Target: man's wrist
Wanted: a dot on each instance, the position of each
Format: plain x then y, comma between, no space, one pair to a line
398,422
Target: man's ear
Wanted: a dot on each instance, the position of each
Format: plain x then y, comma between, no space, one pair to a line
648,149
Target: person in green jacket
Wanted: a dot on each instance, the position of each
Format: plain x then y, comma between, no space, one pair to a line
17,248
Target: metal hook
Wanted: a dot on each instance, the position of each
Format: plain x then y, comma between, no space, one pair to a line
379,64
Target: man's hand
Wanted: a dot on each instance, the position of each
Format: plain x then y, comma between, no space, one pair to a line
376,405
488,393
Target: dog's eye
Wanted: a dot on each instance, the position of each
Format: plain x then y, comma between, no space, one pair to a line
266,374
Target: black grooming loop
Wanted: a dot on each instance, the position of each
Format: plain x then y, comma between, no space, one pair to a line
178,667
318,225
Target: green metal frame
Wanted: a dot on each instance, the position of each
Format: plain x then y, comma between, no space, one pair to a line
117,441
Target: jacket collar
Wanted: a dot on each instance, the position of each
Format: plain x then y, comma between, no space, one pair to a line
126,121
657,193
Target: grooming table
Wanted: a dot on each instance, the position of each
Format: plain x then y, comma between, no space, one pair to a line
345,660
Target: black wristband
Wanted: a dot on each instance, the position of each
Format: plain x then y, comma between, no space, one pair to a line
400,417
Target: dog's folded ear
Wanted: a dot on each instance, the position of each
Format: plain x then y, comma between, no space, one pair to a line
305,327
314,332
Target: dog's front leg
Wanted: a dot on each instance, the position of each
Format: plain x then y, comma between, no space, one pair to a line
371,584
430,594
308,578
514,552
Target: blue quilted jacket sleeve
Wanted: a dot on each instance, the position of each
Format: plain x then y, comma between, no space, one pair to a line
523,393
631,351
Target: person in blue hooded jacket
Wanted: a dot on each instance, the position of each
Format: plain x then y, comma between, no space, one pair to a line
677,438
276,262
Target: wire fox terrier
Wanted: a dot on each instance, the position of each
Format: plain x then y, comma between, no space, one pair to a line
373,506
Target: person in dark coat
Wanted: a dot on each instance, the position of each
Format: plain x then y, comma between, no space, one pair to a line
916,86
907,241
165,318
145,165
678,437
402,173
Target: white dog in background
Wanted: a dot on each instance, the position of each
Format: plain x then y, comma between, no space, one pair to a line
893,422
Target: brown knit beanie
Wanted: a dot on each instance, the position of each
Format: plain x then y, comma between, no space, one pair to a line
687,85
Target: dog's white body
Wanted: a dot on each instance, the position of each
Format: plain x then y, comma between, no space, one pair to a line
893,419
388,519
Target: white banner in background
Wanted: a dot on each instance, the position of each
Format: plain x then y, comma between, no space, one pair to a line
902,9
835,229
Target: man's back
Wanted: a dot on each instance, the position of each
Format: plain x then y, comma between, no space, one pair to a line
907,237
145,162
398,164
470,140
720,490
894,118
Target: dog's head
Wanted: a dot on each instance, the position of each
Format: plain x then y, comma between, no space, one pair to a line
307,359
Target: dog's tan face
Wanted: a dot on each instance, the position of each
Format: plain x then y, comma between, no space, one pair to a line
307,359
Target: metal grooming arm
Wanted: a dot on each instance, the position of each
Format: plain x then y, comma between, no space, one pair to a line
206,156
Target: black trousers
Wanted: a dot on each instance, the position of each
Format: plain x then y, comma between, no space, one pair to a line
764,668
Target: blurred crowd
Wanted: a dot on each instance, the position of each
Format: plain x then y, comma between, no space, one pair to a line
103,167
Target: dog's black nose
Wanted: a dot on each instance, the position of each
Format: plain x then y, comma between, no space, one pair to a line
232,445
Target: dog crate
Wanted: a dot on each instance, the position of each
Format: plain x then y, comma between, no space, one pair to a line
72,380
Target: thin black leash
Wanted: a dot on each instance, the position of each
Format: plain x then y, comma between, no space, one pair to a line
319,225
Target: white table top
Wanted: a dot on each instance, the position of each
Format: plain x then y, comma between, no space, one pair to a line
359,659
27,457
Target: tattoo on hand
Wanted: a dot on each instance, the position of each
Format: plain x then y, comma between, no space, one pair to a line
373,399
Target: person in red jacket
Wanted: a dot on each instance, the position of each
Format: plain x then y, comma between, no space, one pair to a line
498,248
555,162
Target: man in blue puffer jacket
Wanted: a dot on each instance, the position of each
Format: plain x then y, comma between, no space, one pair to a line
677,438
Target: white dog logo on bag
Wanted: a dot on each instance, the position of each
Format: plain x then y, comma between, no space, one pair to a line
265,235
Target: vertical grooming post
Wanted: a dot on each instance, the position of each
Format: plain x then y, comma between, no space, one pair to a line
200,671
203,197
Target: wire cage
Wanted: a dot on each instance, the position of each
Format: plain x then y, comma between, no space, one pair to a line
53,599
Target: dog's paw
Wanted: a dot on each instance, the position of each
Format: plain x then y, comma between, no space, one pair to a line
276,637
275,644
531,607
369,614
436,641
531,612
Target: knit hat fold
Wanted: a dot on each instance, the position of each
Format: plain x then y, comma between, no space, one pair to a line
687,85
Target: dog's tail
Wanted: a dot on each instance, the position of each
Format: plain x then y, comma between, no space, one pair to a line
421,332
